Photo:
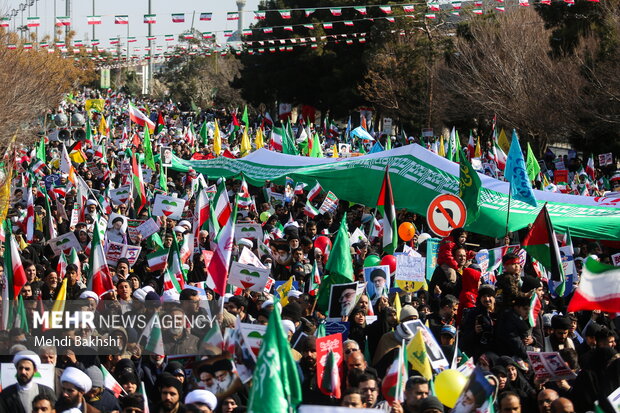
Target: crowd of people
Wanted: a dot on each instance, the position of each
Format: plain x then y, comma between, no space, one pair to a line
479,320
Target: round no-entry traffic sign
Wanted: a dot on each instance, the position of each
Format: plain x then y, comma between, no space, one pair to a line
445,213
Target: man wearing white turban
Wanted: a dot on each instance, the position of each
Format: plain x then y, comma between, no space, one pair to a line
75,383
18,397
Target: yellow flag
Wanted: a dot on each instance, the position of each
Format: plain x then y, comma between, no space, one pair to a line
22,244
335,154
103,126
5,194
258,141
96,104
59,303
478,151
217,140
397,306
416,354
77,157
245,146
545,181
442,149
503,141
283,291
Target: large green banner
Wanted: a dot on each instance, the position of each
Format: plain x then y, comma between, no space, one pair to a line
418,176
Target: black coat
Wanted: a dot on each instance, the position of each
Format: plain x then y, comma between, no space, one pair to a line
10,398
508,335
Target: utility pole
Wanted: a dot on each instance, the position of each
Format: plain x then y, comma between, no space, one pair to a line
150,65
94,25
68,14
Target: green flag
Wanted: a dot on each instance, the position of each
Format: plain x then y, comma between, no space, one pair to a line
457,146
275,386
450,149
244,117
204,137
531,165
89,131
469,188
149,160
339,265
316,151
288,142
41,152
163,179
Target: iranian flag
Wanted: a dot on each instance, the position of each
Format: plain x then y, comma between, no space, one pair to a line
393,387
541,243
214,337
330,380
218,267
158,259
310,210
99,280
139,194
222,204
63,21
201,212
499,156
151,338
315,280
33,21
174,278
150,18
121,19
13,268
110,383
276,139
590,167
314,192
178,17
93,19
599,288
386,201
244,199
29,222
136,116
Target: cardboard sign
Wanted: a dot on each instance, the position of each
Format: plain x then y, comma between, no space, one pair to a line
333,326
248,257
250,231
357,236
560,176
410,268
248,277
615,259
120,195
330,203
344,297
116,251
605,159
433,349
377,281
550,366
324,346
65,243
132,229
253,335
45,375
148,228
614,400
168,206
432,250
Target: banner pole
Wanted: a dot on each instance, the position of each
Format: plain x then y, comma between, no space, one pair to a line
508,212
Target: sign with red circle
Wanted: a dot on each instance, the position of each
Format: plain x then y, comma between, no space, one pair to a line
445,213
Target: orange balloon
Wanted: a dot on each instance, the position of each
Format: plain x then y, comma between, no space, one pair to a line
406,231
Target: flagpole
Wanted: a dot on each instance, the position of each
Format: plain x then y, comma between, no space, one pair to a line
508,212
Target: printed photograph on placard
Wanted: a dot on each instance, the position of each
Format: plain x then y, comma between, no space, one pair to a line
342,299
377,281
166,156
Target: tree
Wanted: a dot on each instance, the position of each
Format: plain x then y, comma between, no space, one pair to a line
502,65
202,80
31,82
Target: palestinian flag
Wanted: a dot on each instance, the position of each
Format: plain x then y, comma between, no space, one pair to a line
157,260
136,116
386,201
393,387
599,288
161,124
139,194
541,244
99,280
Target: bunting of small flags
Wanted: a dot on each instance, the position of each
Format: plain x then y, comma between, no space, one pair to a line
4,21
232,15
309,12
361,10
205,17
386,9
63,21
121,19
169,37
336,12
285,14
259,15
33,22
178,17
150,18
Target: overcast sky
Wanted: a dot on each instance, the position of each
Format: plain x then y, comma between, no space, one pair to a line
135,9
